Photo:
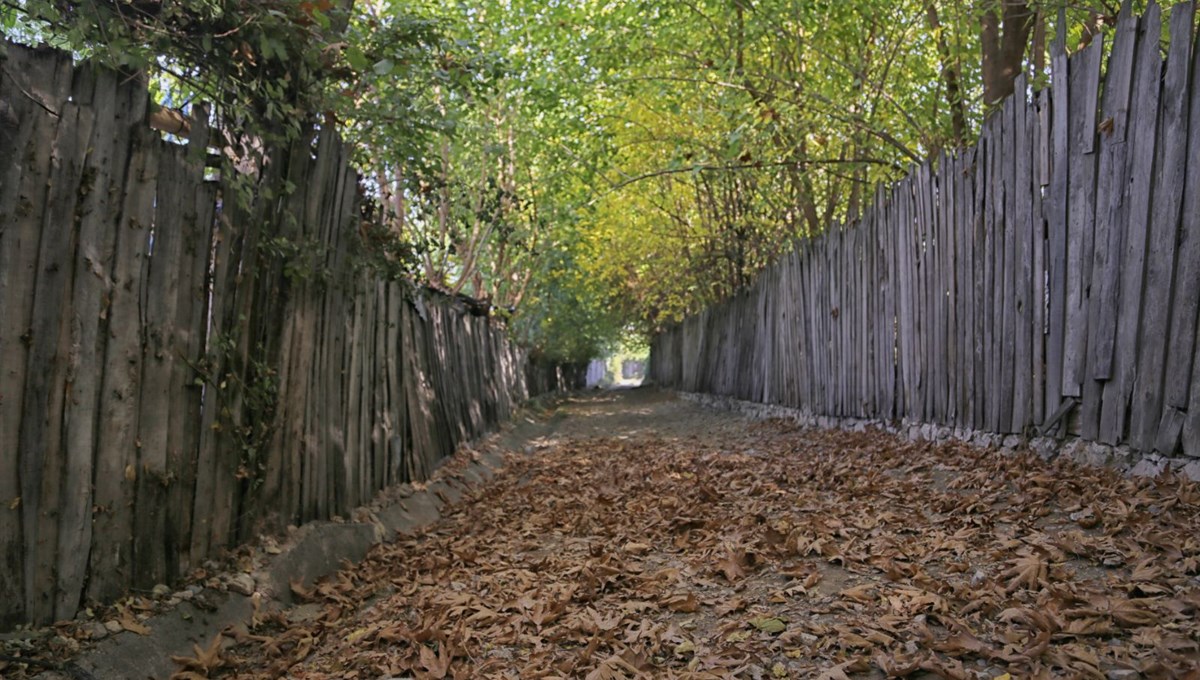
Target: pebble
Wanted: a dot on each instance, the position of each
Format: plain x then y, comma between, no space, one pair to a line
242,583
97,631
113,626
161,590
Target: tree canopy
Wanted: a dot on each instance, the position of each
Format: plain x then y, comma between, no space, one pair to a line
595,169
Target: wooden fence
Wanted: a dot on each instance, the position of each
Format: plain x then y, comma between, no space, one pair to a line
177,372
1046,279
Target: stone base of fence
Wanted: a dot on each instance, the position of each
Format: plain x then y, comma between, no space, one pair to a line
1049,448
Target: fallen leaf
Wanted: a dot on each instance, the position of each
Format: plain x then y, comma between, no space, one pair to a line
682,602
769,624
204,662
129,623
436,664
1027,571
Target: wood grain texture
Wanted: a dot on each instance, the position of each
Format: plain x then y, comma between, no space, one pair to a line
1081,209
1133,229
1056,225
1181,365
23,130
1164,222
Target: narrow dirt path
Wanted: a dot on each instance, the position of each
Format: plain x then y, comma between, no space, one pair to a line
647,537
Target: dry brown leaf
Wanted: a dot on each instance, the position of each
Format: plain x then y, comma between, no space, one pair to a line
864,593
204,662
537,574
436,664
131,624
682,602
1027,571
730,606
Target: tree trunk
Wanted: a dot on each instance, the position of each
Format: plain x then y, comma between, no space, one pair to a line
1038,58
1002,40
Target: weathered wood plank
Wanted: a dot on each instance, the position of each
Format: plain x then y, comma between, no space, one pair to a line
1112,180
978,228
1084,68
996,242
192,308
1186,304
111,564
964,278
1041,179
1133,230
93,249
888,343
1022,261
24,130
42,452
885,312
1169,169
905,313
927,231
159,355
948,294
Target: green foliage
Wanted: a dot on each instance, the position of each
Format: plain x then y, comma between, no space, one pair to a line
594,169
568,316
254,385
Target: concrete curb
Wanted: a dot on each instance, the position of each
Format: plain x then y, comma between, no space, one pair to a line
312,551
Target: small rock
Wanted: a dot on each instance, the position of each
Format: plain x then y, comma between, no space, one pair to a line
1147,468
183,595
242,583
97,631
1012,441
195,588
978,578
113,626
1192,471
62,644
161,590
1096,455
1123,674
1122,457
1045,447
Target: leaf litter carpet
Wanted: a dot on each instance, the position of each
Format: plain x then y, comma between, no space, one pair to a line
648,537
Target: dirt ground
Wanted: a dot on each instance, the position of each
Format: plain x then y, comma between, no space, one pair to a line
650,537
